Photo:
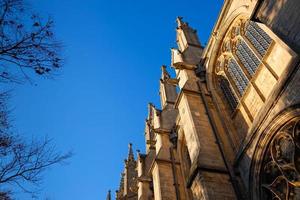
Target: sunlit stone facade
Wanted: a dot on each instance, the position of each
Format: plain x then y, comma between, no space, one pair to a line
228,126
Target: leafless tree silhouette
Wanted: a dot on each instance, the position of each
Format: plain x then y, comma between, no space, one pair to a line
27,43
22,163
27,47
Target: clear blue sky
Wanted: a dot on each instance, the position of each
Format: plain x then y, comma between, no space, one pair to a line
98,103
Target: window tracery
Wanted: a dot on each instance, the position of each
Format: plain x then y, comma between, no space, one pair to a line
238,60
280,173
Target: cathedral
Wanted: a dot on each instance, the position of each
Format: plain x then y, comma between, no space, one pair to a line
228,125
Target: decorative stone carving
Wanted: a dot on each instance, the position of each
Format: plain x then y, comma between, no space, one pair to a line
220,65
134,186
280,172
226,46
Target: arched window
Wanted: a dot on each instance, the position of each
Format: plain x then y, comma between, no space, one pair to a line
186,159
243,49
258,38
247,57
237,75
228,93
280,171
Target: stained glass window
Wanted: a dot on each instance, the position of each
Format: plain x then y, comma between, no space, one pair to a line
258,38
238,76
247,57
250,61
228,93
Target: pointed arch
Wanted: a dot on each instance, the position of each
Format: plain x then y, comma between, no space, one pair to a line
275,171
247,57
258,37
229,94
237,75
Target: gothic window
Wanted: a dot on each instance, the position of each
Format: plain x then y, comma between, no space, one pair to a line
258,37
228,93
245,49
237,75
280,171
186,160
247,57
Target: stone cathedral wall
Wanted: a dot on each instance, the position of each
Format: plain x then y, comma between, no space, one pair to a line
236,126
282,16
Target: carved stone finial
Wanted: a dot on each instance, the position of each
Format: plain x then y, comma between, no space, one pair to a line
180,23
164,73
130,152
179,20
108,197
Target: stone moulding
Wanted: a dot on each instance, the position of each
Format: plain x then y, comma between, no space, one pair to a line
275,167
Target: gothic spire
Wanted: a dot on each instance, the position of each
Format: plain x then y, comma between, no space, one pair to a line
130,153
167,89
120,191
189,52
108,197
164,73
180,23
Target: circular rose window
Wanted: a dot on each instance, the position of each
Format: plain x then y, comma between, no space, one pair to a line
280,177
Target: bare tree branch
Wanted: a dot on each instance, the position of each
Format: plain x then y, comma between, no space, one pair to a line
22,163
27,47
27,43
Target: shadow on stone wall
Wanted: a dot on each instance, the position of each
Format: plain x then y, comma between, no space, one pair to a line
282,16
285,110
